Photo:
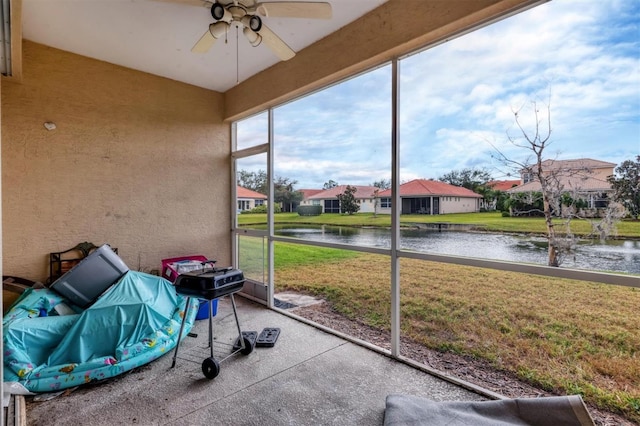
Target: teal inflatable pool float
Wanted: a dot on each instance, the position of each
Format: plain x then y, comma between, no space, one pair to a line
133,323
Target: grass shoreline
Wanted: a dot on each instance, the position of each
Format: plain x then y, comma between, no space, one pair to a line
484,222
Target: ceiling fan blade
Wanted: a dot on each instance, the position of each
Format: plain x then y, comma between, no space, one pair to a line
216,30
203,3
204,44
276,44
295,9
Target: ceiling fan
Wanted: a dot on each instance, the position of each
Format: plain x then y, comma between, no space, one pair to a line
246,14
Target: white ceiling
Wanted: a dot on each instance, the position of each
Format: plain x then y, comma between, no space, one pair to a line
157,36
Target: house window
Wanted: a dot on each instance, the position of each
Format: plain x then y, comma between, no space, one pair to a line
385,203
331,206
526,177
259,203
315,202
599,201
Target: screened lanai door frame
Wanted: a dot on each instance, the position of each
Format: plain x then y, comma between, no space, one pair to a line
259,291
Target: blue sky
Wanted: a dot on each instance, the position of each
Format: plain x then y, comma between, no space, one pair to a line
579,59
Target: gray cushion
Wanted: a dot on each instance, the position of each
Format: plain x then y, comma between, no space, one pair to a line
553,411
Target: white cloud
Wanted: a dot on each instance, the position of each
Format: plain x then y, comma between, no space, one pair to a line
581,57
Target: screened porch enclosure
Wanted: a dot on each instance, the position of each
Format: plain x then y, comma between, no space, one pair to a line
421,205
351,134
331,206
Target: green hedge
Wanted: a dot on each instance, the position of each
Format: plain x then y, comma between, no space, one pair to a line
309,210
262,209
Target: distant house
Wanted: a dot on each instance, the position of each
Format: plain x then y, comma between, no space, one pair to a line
497,185
248,199
584,178
422,196
328,198
306,193
503,185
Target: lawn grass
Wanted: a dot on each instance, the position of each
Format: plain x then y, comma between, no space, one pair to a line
488,221
565,336
252,254
290,255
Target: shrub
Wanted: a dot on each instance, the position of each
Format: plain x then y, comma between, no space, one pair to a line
262,209
309,210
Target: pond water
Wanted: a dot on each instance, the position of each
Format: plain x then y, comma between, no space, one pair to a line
614,255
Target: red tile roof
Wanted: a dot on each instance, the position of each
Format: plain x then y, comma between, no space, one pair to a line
247,193
306,193
361,192
503,185
582,175
578,164
422,187
568,183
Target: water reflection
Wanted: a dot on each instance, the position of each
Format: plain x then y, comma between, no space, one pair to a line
620,256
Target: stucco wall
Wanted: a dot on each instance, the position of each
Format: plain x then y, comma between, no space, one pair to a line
138,161
458,205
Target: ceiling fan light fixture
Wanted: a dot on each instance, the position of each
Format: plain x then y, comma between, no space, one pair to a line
218,29
254,38
219,13
255,23
244,13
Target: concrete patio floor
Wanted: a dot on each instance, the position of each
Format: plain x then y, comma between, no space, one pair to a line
309,377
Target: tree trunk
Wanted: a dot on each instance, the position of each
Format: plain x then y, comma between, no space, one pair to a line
547,196
553,259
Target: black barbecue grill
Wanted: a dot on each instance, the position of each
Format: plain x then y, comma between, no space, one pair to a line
212,283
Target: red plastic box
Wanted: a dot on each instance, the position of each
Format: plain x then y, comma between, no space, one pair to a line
170,267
